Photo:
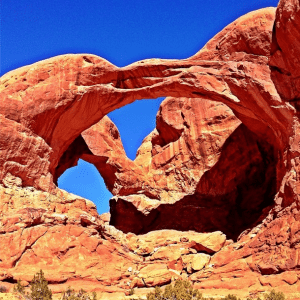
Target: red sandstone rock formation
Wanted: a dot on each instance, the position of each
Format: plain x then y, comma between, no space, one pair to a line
90,87
187,145
251,66
186,162
67,239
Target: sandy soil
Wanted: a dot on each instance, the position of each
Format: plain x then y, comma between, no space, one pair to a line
10,296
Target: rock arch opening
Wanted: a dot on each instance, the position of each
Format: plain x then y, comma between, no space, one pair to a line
134,121
218,174
249,66
74,92
84,180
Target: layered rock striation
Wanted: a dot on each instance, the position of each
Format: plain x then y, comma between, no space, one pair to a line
182,176
186,180
199,170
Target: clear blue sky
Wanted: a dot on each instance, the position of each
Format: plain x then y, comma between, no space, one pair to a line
122,31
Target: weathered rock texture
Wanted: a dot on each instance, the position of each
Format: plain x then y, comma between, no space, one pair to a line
182,177
63,234
68,239
46,110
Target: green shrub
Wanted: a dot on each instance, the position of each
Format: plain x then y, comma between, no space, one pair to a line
274,296
41,291
70,294
181,290
19,288
131,292
94,294
231,297
3,289
39,288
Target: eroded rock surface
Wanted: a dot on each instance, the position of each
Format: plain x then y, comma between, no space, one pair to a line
251,66
68,239
63,234
187,162
90,87
186,181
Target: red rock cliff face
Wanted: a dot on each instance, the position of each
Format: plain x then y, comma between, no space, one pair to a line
186,151
182,176
186,143
251,66
90,87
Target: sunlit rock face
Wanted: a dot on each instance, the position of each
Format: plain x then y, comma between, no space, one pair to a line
182,177
201,169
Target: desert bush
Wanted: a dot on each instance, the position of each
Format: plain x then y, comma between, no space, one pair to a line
131,292
70,294
39,288
181,290
19,288
3,289
231,297
274,296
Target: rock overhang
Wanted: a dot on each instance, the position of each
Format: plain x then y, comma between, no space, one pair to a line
38,121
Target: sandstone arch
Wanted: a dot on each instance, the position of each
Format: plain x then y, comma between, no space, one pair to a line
49,98
53,101
248,66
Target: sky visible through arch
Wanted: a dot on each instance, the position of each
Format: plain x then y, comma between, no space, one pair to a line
121,32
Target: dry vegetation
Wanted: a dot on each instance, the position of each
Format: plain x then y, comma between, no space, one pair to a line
180,290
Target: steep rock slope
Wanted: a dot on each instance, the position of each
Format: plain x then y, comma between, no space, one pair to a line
247,66
63,234
182,176
45,116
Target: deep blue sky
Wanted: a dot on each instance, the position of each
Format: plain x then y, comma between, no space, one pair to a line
122,31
